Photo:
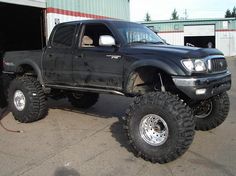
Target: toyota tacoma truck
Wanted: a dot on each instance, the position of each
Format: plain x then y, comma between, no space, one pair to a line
176,89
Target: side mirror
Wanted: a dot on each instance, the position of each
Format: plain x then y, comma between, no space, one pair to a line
106,40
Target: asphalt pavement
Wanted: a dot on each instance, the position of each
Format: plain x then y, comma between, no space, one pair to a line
69,142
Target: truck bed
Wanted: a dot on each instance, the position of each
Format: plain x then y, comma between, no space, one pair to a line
16,57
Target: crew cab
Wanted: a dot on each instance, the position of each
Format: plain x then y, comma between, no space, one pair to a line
177,89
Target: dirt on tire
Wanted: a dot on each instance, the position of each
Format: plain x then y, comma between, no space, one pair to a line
36,104
178,117
218,114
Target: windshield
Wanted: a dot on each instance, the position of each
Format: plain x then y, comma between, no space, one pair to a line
137,33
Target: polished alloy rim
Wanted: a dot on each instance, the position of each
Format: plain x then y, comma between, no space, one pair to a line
204,110
153,130
19,100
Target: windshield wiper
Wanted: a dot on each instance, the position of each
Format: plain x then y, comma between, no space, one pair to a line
138,41
146,42
160,42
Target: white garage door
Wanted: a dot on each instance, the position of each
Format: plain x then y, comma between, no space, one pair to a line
199,30
33,3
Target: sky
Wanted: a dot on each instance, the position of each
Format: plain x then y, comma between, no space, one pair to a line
162,9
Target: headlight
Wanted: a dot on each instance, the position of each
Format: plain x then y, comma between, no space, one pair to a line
199,65
194,65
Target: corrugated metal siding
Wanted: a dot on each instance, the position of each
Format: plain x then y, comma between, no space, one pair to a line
226,42
173,38
109,8
225,32
71,10
178,25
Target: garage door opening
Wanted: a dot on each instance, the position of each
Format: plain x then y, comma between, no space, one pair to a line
200,41
200,35
22,28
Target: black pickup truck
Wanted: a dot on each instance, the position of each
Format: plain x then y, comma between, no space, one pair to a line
177,89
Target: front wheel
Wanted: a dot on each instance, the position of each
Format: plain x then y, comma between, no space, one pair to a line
212,112
160,127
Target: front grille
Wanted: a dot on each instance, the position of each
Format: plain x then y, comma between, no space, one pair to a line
218,65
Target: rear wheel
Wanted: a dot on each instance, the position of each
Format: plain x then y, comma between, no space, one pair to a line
212,112
27,100
83,100
159,126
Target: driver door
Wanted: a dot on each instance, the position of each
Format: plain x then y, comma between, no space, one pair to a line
95,65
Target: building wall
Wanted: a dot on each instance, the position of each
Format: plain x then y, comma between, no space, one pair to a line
178,25
33,3
226,42
173,32
174,38
70,10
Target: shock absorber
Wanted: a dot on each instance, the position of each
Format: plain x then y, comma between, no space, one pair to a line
163,89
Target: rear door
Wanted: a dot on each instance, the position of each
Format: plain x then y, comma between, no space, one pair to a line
95,65
57,61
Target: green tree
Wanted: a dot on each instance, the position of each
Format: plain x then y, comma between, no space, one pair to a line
174,15
228,14
234,12
147,17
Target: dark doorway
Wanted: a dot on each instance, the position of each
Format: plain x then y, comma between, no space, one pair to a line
200,41
22,27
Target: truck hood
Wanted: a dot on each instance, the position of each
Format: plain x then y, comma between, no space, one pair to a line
175,52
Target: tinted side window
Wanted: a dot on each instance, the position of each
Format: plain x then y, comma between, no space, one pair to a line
92,33
63,36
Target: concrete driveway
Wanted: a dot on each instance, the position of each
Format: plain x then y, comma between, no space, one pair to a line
69,142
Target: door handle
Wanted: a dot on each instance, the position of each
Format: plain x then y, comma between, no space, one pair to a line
79,56
115,57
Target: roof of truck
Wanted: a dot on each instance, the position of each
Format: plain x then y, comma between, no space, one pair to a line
95,21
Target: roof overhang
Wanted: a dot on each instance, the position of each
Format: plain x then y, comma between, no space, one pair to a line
32,3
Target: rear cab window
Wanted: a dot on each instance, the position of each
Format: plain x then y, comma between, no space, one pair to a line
63,36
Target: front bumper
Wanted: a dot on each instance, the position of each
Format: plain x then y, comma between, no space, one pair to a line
213,85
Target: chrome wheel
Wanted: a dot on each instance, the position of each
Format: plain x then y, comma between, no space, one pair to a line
19,100
204,109
153,130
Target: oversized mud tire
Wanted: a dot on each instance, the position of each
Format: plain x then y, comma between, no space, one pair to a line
160,127
83,100
212,112
27,100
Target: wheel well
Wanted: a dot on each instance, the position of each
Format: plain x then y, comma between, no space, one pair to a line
149,78
26,70
29,70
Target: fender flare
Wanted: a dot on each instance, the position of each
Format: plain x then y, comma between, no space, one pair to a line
34,66
169,68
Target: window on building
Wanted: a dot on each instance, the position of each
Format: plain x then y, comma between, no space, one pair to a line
63,36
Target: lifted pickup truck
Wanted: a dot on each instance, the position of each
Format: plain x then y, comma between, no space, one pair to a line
177,89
